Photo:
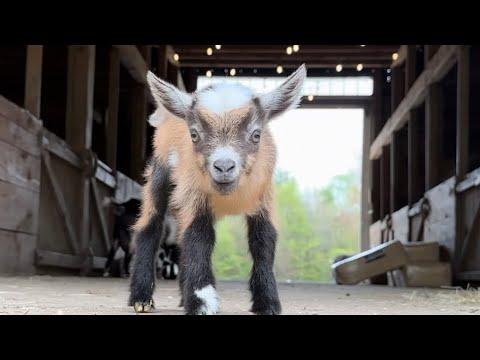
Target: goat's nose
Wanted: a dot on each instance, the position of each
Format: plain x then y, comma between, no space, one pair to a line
224,166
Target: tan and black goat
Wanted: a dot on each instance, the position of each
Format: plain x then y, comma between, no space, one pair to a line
214,156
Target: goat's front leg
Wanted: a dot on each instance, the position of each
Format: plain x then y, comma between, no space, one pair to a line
262,238
148,230
199,296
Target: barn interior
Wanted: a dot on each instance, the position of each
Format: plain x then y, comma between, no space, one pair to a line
74,142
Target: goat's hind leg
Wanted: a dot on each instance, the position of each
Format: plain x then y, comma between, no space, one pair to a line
148,230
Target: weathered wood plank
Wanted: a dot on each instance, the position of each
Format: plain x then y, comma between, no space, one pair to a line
19,208
51,258
19,168
61,204
17,253
19,116
440,64
33,79
15,135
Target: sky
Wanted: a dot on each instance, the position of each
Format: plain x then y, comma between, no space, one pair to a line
314,145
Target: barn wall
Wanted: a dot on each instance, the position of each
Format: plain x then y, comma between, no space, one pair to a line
19,187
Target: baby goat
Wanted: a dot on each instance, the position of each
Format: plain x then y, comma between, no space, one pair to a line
214,156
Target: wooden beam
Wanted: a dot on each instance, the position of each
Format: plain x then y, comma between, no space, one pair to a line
33,79
321,64
81,76
440,64
113,103
415,185
162,61
433,135
138,143
398,87
385,182
429,51
366,180
410,67
462,144
132,59
463,111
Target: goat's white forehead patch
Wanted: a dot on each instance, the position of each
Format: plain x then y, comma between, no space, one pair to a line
221,98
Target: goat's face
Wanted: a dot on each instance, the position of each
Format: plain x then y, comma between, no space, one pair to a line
226,123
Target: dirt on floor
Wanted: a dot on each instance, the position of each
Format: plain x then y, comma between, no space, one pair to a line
99,296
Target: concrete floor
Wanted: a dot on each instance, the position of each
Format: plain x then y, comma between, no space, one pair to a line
76,295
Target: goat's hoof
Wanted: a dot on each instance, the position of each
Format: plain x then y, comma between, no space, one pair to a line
273,309
144,307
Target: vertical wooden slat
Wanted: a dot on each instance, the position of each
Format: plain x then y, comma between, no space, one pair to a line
463,109
162,61
138,144
366,181
410,67
394,165
33,79
415,185
385,181
80,87
81,72
113,102
463,112
398,86
430,50
433,135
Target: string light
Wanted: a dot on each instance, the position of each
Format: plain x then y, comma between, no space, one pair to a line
395,56
218,47
363,45
296,48
176,57
359,67
209,51
279,69
233,72
289,50
310,97
339,68
209,73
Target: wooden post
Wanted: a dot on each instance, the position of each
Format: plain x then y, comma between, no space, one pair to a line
415,185
162,61
81,76
113,101
394,165
463,112
430,50
33,79
385,182
366,181
410,67
398,86
138,144
433,135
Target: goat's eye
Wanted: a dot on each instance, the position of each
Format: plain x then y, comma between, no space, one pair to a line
256,136
194,135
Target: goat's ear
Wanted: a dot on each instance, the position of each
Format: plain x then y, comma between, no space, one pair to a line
174,100
285,97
